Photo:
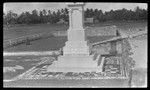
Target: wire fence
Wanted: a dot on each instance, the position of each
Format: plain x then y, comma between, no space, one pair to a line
25,39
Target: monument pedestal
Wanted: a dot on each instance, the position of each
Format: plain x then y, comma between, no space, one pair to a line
76,47
74,63
76,52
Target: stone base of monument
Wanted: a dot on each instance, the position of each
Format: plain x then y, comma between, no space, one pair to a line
75,63
76,48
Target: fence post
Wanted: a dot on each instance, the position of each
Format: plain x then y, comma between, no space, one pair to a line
27,41
130,78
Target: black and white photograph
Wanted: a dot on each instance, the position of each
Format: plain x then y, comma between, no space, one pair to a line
75,44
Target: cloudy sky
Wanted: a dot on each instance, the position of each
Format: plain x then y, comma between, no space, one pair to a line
21,7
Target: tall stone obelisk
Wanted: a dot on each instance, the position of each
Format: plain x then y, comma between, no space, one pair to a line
76,54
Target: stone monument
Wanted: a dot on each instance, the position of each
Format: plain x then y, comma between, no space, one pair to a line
76,52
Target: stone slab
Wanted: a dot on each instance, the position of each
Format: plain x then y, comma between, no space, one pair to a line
74,63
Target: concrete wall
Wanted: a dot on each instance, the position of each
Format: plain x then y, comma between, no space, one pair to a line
108,48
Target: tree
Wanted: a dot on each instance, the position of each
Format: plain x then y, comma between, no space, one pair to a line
99,16
62,11
10,18
141,13
49,17
64,14
66,11
96,13
54,17
86,13
44,16
27,18
34,12
58,14
144,14
49,12
44,12
137,12
35,18
41,17
24,18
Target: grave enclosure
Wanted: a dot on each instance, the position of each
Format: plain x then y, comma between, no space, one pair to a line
80,56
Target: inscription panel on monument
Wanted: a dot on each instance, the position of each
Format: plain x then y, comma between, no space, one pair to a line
77,19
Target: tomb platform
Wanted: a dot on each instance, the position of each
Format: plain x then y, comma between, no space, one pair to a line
75,63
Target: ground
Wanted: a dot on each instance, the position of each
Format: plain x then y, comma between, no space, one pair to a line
19,30
139,46
69,83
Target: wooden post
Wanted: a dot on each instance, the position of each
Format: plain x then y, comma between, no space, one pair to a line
27,41
130,78
113,47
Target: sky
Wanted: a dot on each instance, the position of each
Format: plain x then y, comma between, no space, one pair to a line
21,7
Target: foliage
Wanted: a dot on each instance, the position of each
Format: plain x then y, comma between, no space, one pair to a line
128,61
44,16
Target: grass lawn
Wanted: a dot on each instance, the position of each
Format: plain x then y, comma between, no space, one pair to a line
19,30
125,25
55,43
48,44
